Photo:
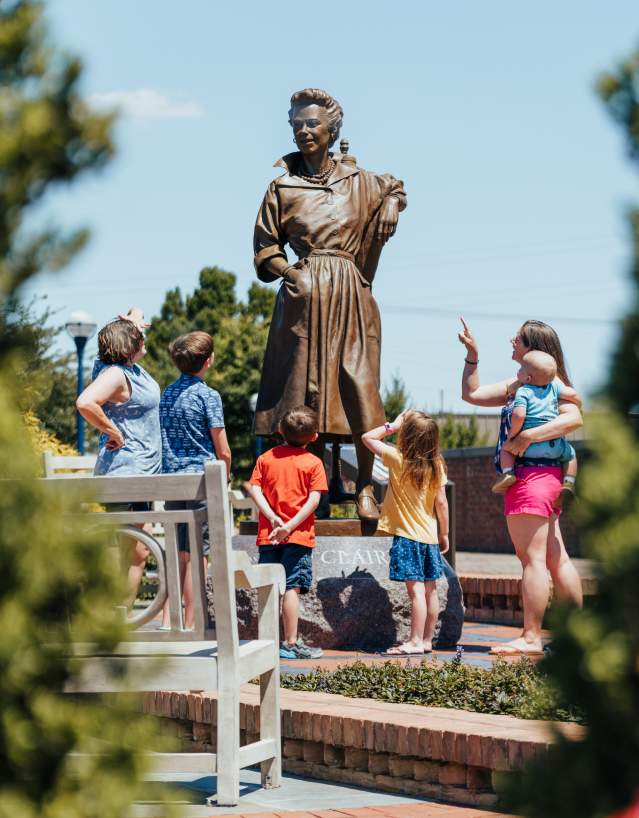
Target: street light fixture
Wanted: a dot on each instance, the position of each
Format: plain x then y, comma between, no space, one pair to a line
80,327
253,409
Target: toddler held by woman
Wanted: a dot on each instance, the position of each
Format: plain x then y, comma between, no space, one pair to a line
537,402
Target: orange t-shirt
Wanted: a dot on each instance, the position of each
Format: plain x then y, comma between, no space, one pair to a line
287,475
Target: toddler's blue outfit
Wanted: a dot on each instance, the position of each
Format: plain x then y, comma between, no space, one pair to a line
542,405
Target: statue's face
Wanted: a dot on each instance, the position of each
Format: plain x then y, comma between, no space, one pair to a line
310,129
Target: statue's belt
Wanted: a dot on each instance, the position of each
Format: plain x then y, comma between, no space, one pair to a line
340,253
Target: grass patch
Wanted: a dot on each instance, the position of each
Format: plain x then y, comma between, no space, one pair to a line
506,688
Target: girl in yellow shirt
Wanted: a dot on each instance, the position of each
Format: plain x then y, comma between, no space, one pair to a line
414,505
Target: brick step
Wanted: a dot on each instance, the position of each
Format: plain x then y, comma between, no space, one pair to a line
449,755
493,598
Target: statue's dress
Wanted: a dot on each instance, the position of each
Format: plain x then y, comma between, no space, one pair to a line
323,347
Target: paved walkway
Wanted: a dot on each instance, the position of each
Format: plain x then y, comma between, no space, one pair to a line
401,811
304,798
475,643
471,562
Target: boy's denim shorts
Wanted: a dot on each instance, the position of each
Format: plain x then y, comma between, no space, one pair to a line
297,561
183,529
412,560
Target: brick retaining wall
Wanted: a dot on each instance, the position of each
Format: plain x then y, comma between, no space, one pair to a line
491,598
481,525
449,755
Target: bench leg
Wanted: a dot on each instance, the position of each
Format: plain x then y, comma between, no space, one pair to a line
228,747
270,718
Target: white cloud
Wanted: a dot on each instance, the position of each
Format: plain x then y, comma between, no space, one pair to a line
147,103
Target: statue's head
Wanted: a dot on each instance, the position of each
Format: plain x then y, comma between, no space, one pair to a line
316,119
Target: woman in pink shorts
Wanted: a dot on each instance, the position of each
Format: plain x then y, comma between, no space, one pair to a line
529,504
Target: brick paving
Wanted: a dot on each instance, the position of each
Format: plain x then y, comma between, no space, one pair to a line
476,642
429,810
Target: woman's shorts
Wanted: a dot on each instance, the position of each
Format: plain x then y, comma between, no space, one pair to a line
297,561
535,492
412,560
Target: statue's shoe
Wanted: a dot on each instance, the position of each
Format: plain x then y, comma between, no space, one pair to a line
367,508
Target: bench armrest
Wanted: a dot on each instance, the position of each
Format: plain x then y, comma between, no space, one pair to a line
248,575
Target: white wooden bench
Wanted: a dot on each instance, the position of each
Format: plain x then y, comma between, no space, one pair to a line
58,465
210,657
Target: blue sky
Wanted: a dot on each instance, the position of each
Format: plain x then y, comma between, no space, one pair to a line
517,180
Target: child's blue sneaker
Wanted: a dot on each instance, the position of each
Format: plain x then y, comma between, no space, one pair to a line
299,650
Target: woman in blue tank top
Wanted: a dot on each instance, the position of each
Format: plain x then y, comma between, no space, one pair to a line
122,402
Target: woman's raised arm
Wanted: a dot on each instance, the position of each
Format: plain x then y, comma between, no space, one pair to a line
493,394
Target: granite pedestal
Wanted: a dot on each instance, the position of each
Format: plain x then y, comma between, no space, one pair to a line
352,604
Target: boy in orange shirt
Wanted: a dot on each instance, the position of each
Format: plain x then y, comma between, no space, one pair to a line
286,485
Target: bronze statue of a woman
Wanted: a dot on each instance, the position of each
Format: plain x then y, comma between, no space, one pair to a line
323,347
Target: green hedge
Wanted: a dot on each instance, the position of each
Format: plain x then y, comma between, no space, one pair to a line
507,688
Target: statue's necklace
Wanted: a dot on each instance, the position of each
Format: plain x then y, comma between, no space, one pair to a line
318,178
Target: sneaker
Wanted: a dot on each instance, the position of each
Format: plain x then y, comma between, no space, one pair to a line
299,650
503,483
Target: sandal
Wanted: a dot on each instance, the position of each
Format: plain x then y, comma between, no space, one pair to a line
405,650
514,649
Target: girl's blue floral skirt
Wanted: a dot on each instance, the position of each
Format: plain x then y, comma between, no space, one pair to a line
412,560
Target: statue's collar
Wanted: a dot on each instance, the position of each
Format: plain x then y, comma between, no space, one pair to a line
290,162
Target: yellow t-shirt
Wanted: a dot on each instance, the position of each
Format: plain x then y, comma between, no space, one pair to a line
406,511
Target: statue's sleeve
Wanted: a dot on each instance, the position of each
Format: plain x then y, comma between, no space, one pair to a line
268,242
379,188
392,187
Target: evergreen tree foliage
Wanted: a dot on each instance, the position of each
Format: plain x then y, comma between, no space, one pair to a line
458,433
48,137
620,91
595,660
239,331
58,583
395,397
46,379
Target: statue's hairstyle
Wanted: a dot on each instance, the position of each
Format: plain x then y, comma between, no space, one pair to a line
315,96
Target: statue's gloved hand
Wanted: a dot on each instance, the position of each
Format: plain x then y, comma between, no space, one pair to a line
298,277
291,273
388,218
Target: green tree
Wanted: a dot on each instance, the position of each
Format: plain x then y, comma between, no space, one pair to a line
48,137
239,330
56,580
395,397
45,379
458,433
595,661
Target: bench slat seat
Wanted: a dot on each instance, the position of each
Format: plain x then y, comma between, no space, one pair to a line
185,666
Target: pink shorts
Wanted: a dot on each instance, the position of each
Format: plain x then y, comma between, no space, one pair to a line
535,491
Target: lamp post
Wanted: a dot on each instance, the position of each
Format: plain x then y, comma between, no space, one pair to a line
80,327
258,439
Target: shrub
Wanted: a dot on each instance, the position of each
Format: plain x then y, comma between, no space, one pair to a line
513,689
